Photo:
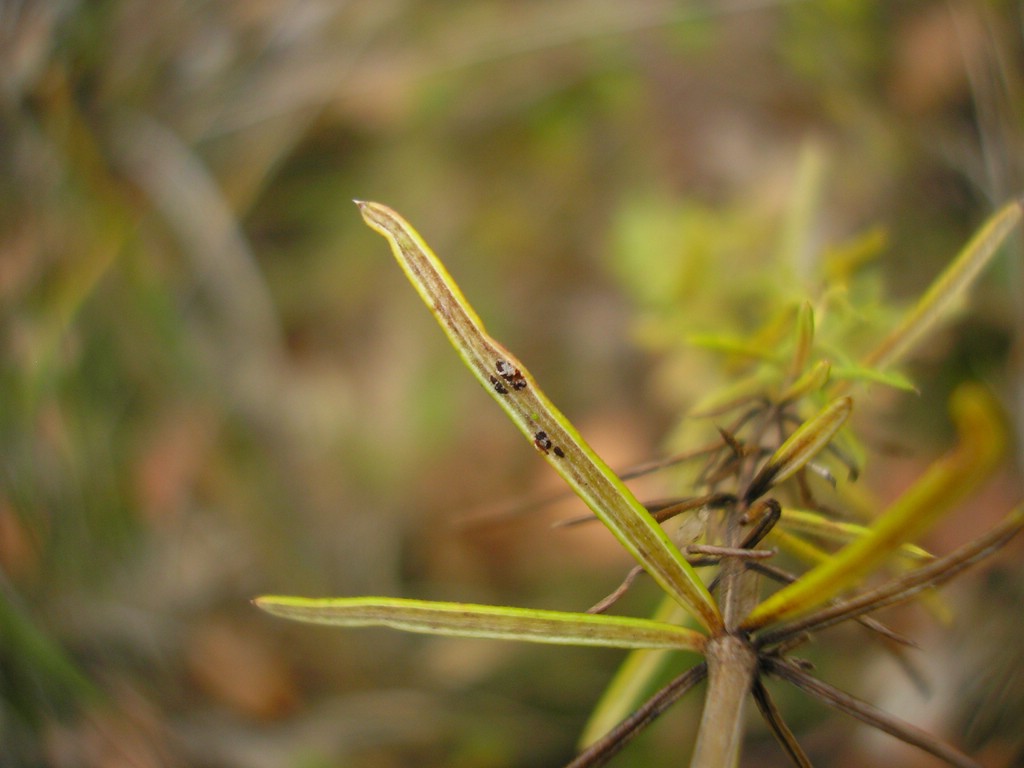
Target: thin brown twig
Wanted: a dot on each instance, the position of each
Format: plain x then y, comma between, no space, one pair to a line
713,550
784,669
772,716
770,515
609,745
867,622
662,510
518,506
604,604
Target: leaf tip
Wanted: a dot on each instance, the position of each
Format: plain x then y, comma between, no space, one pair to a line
266,603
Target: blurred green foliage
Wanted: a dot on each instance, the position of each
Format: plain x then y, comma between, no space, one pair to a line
212,383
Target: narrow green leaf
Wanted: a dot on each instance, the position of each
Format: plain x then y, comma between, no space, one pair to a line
736,394
508,381
813,379
843,260
485,621
947,288
796,546
945,483
804,340
732,345
893,379
812,554
910,585
802,446
838,530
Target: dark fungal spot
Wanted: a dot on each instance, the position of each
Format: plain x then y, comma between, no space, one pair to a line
542,441
510,374
498,386
558,452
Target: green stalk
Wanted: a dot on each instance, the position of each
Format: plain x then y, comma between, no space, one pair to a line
731,665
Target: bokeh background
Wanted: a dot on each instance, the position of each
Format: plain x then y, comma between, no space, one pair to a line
216,383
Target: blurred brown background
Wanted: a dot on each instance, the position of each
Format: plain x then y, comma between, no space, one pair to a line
216,383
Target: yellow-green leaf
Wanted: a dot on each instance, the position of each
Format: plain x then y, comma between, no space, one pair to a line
842,261
894,379
838,530
810,553
802,446
813,379
732,345
946,482
804,340
554,437
796,546
485,621
947,288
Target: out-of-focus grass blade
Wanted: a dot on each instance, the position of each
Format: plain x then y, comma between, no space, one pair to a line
949,286
485,621
548,430
53,674
632,682
797,247
802,446
946,482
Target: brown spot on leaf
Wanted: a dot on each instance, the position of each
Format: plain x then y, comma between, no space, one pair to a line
498,386
510,374
542,441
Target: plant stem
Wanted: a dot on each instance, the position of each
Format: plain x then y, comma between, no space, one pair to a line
731,664
731,660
